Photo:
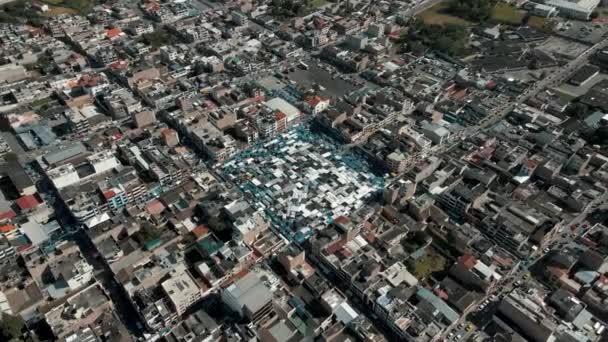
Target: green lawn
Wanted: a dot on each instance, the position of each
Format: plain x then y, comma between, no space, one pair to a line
311,6
428,264
507,14
316,3
436,16
537,22
81,6
58,10
41,102
53,2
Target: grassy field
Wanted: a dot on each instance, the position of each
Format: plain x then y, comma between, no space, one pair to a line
70,6
428,264
57,10
507,14
435,16
41,102
537,22
53,2
314,4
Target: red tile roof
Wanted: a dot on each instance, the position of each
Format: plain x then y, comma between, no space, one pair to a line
342,220
468,261
369,237
441,294
7,215
314,101
333,248
280,116
345,252
118,65
167,132
27,202
200,231
109,194
111,33
7,228
155,207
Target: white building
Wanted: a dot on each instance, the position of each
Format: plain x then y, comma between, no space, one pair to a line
181,290
542,10
67,174
63,176
239,18
82,273
436,133
576,9
317,104
292,113
83,118
248,297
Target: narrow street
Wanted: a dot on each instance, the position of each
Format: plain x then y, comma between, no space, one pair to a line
103,274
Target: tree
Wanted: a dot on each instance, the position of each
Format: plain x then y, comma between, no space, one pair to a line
598,136
473,10
449,39
578,110
148,231
11,327
219,226
157,38
533,63
11,156
20,10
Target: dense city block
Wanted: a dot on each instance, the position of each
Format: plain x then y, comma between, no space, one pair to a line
304,170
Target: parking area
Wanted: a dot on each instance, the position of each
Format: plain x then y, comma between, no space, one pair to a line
563,48
576,91
583,31
330,85
484,313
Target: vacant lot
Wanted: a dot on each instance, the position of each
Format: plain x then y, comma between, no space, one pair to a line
505,13
430,263
436,16
57,10
314,4
501,13
66,6
537,22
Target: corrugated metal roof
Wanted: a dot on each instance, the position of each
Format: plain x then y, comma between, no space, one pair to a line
64,153
439,304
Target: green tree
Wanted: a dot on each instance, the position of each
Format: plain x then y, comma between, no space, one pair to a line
83,7
11,327
20,11
598,136
157,38
450,39
473,10
148,231
11,156
578,110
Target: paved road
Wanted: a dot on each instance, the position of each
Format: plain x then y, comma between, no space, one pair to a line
125,310
421,7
